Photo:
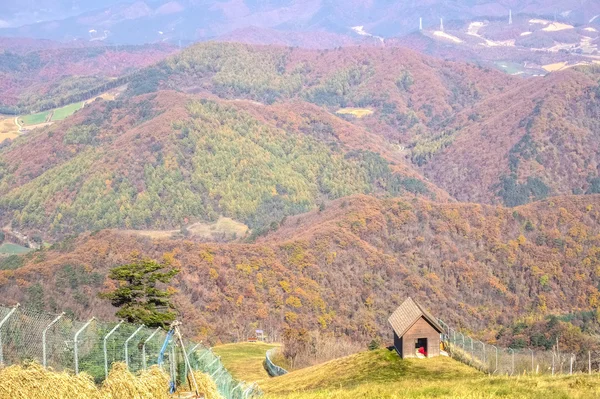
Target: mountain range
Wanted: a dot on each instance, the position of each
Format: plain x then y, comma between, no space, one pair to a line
304,188
192,20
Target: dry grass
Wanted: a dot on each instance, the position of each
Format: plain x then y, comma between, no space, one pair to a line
245,360
206,386
121,384
223,226
32,381
382,374
356,112
8,129
557,26
555,67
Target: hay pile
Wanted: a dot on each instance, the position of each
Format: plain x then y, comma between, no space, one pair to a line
32,381
207,386
121,384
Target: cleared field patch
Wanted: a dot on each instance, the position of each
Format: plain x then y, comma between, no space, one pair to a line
356,112
66,111
557,26
382,374
34,119
447,36
555,67
245,360
223,226
9,248
8,129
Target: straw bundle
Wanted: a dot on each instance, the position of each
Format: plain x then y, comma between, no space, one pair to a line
121,384
32,381
207,386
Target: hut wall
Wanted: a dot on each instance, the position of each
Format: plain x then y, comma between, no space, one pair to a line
421,329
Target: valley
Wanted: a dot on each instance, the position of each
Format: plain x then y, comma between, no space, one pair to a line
294,172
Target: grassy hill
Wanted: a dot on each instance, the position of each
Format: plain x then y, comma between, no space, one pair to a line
245,360
382,374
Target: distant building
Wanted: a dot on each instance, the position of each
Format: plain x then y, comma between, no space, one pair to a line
416,331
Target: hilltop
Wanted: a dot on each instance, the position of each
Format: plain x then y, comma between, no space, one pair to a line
382,374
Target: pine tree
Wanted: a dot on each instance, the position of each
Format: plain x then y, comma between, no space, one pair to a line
138,297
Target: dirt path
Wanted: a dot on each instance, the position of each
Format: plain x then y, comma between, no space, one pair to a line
17,123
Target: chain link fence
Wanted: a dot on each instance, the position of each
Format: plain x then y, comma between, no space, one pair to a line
92,346
512,361
273,369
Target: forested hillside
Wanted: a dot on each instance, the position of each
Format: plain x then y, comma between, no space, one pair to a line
41,75
480,134
348,166
158,161
538,139
344,268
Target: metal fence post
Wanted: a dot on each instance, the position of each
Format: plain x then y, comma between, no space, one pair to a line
4,320
44,362
483,346
144,365
532,361
571,364
104,347
496,348
472,351
513,360
589,362
126,345
75,349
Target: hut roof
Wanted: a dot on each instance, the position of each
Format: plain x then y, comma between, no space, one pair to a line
407,314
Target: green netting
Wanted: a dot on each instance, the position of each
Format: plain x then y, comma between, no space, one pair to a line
93,346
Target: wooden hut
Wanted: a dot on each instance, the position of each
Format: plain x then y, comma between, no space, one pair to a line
416,331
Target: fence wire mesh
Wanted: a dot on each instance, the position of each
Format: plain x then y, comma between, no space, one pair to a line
273,369
64,344
515,361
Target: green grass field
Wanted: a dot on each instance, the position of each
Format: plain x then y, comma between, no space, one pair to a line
245,360
66,111
382,374
13,249
34,119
